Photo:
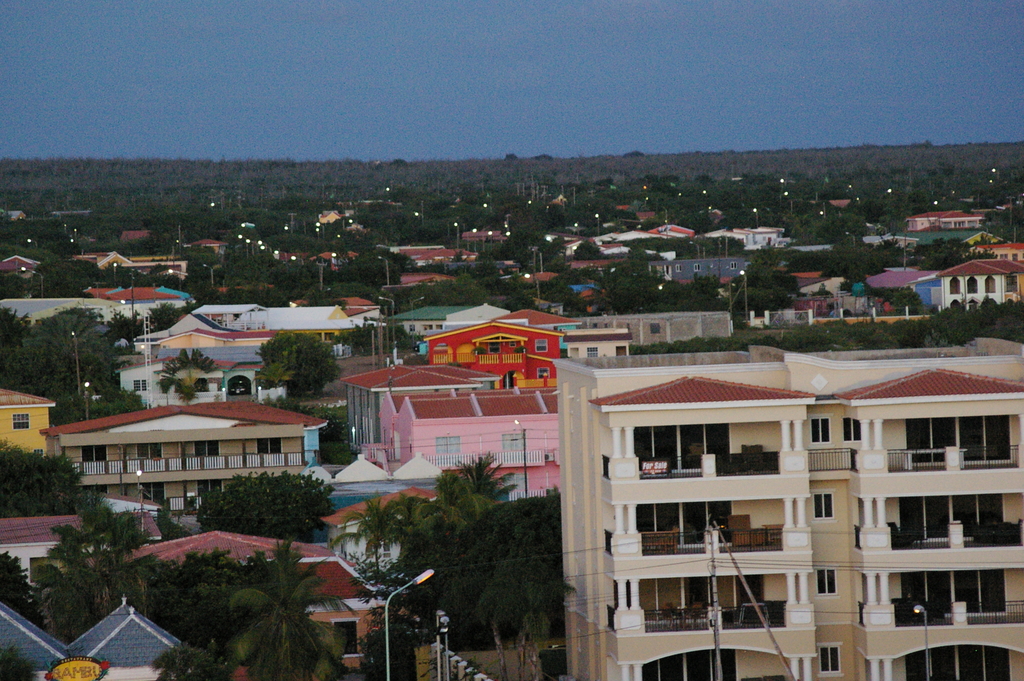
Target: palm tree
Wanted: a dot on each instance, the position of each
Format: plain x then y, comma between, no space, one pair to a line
376,524
14,666
275,374
455,506
93,567
185,375
280,641
483,478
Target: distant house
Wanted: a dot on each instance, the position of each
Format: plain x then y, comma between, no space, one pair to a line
949,219
590,343
433,318
415,279
813,283
38,309
22,416
523,356
214,245
673,231
135,234
689,269
157,264
973,282
233,379
17,263
324,321
341,523
329,216
1014,252
15,215
754,238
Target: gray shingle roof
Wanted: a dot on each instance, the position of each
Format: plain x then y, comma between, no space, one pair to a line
33,643
125,638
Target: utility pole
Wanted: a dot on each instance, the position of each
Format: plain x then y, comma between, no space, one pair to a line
714,612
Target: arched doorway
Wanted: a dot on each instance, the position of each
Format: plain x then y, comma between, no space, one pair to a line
239,385
960,663
695,665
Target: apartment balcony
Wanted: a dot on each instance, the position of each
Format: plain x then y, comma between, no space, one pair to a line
702,618
838,459
190,463
690,543
948,470
510,358
967,458
958,614
711,465
511,458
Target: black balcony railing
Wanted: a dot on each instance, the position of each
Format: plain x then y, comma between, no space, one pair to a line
671,543
934,537
856,536
1012,612
607,541
745,616
605,466
611,617
749,463
676,619
939,614
997,534
912,460
841,459
760,539
989,457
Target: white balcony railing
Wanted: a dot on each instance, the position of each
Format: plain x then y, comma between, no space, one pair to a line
191,463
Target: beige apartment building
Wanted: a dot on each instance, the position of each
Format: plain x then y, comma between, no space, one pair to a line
857,493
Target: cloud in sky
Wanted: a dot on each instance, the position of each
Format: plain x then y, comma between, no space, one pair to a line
395,78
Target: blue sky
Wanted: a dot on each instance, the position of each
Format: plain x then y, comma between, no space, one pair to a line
428,79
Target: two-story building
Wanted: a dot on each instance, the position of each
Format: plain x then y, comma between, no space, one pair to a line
865,506
522,356
22,416
944,219
974,282
174,454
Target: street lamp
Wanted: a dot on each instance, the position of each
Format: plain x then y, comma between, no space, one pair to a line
526,481
921,610
424,576
746,309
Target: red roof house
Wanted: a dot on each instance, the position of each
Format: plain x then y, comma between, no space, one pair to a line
523,356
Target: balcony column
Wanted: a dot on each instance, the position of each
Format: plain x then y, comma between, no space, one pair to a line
786,441
802,580
790,588
620,519
883,588
878,434
807,669
616,442
869,515
871,597
1020,419
631,518
794,666
801,511
634,594
798,435
875,670
865,434
620,585
787,508
886,669
630,450
625,671
638,672
880,513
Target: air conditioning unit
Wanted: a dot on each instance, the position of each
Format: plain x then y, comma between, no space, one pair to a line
549,456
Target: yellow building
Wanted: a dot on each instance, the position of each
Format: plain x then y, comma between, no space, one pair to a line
22,417
857,493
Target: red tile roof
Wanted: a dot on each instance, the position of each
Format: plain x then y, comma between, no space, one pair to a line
694,389
483,403
339,581
405,377
934,383
945,214
250,412
240,547
34,530
534,318
982,267
208,242
338,517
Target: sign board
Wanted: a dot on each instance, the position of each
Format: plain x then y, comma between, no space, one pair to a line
78,669
654,468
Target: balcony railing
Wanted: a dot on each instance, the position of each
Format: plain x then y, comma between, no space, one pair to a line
988,457
759,463
488,358
190,463
688,467
758,539
912,460
934,537
939,614
699,618
512,458
672,543
998,534
1011,613
841,459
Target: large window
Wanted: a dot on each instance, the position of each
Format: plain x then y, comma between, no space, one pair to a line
153,491
511,442
207,448
19,421
828,659
347,630
821,431
827,582
592,351
140,385
268,445
681,442
94,453
851,430
148,450
449,444
823,506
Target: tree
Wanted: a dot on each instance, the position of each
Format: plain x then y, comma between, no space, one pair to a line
309,360
274,375
34,485
280,642
185,663
377,525
93,567
282,506
164,316
14,666
484,479
185,375
15,591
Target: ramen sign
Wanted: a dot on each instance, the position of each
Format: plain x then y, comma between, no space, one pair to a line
78,669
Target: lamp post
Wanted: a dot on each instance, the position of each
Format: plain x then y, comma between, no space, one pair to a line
87,400
746,308
138,475
442,628
526,480
424,576
921,610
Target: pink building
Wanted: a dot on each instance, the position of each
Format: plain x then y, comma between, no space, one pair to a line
452,429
